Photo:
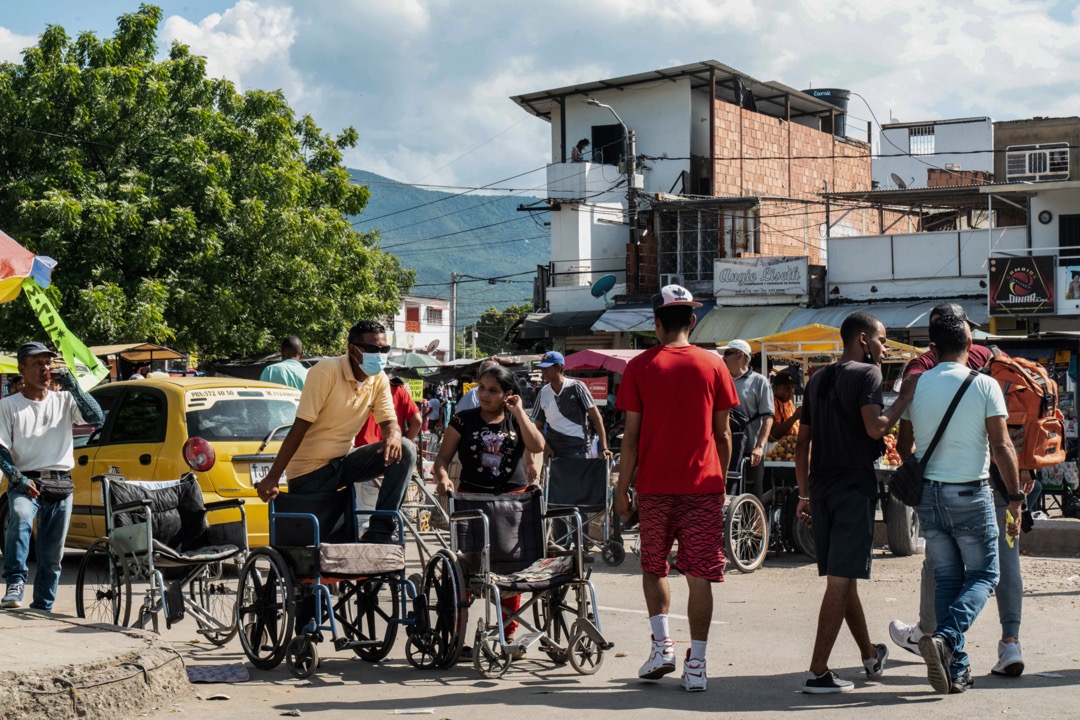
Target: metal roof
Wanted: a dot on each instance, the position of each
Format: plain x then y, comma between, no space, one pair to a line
771,97
958,197
894,316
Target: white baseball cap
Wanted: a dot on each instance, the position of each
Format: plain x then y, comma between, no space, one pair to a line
740,345
672,295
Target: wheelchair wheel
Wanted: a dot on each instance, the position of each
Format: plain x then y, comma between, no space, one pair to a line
368,613
301,657
746,533
265,607
102,588
489,658
214,591
586,653
554,617
613,553
439,636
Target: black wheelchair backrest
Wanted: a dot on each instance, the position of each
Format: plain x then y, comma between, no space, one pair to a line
516,525
333,510
177,505
578,482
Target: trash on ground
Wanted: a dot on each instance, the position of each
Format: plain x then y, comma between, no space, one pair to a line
413,711
219,696
291,713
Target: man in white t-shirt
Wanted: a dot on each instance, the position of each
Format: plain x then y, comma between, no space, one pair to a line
957,509
36,455
563,410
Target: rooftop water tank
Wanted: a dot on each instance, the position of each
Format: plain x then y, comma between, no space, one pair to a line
837,97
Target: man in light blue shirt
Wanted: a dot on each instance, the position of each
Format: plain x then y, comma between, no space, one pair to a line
469,399
290,371
957,509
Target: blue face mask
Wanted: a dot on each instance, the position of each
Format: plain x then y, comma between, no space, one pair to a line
373,363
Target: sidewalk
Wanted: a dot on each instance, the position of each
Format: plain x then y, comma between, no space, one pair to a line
56,667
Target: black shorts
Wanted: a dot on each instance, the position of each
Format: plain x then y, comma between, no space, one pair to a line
844,533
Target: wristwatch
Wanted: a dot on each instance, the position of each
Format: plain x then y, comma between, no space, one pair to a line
1015,497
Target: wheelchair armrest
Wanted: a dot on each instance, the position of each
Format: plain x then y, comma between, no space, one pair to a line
562,512
224,504
144,503
467,515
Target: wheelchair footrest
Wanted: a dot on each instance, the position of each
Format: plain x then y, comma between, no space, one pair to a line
344,643
174,602
524,642
588,628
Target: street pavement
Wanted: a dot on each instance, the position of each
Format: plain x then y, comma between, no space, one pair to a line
759,649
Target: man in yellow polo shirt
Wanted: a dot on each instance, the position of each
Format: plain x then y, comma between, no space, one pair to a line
317,455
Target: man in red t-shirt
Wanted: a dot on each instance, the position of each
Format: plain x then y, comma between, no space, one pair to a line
676,398
409,420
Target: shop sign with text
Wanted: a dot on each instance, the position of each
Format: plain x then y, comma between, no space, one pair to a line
733,277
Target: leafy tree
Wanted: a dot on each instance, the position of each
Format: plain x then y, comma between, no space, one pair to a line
180,211
493,325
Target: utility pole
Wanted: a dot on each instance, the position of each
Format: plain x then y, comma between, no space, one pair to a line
474,334
453,315
631,191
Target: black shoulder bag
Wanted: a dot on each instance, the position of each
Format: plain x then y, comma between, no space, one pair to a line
906,483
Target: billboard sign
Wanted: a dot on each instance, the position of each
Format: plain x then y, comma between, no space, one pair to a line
734,277
1022,285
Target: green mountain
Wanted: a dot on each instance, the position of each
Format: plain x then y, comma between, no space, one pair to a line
436,233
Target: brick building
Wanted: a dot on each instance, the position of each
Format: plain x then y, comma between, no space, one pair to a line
728,167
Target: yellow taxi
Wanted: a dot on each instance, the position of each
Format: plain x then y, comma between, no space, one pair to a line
227,430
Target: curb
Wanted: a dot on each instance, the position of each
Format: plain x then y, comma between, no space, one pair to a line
145,673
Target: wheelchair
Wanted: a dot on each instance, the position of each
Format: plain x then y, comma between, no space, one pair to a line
157,532
584,484
498,550
315,578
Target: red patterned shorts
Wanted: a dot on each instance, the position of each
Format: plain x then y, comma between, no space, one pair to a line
696,521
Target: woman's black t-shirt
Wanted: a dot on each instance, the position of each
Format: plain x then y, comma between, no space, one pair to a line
490,455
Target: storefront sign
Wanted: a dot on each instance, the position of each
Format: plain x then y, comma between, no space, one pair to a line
733,277
598,388
1022,285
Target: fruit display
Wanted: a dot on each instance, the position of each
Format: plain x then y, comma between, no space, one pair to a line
784,450
891,457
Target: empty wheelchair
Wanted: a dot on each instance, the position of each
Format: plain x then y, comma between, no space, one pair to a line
584,484
746,526
154,528
498,550
315,578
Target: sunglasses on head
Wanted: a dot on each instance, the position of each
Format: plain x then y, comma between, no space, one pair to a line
372,349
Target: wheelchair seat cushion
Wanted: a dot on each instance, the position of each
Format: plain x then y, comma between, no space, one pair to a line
356,559
165,555
543,574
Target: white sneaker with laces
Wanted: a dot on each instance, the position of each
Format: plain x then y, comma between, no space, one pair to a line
1010,660
661,660
694,678
906,636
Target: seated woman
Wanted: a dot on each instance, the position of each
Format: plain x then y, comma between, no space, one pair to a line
490,441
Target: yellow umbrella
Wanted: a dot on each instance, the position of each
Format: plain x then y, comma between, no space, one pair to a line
8,365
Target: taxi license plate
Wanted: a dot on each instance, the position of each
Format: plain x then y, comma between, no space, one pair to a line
259,471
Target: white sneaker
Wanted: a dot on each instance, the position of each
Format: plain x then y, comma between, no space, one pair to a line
661,660
906,636
693,674
1010,661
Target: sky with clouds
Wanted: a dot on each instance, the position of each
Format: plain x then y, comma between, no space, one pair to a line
427,82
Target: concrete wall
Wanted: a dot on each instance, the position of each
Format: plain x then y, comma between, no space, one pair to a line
916,265
587,241
1046,238
403,338
1037,131
950,138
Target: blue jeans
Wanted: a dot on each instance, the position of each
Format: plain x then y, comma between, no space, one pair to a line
364,464
1010,589
52,526
960,527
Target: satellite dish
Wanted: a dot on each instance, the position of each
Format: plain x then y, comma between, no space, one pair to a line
432,345
899,181
602,287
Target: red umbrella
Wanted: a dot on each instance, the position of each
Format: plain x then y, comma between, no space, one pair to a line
612,360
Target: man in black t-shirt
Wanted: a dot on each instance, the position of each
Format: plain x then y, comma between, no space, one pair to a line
839,439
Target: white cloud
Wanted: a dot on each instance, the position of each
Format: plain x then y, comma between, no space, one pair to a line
12,45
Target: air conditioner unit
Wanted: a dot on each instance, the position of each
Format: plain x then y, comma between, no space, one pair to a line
671,279
952,167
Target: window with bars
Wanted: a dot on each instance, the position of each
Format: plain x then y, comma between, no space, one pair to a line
1048,161
921,140
434,316
690,240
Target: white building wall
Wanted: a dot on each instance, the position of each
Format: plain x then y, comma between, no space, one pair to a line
1045,238
403,338
951,139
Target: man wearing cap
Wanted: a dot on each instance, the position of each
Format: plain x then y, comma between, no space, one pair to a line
756,403
1010,589
563,409
676,398
37,455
